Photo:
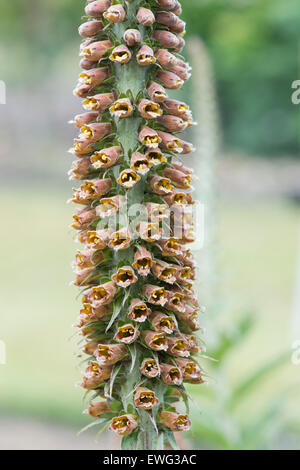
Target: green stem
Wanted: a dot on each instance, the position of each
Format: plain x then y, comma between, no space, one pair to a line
131,81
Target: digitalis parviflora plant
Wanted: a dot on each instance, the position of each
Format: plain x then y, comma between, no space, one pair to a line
139,312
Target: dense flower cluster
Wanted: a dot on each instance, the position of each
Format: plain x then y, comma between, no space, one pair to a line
139,311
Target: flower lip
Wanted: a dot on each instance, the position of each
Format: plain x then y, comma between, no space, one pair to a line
121,108
106,158
126,334
155,156
128,178
120,240
138,311
171,375
140,163
155,295
124,425
145,56
150,368
120,54
149,109
145,398
179,347
125,276
162,322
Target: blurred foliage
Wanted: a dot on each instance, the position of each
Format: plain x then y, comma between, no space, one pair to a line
253,43
220,427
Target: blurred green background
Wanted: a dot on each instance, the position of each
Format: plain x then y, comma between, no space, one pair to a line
249,177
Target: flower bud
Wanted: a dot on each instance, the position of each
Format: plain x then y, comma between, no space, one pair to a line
171,375
86,118
110,206
143,261
150,368
96,50
98,102
180,71
156,92
132,37
145,17
125,276
124,425
86,64
169,79
179,27
121,108
172,123
80,169
145,56
166,39
110,354
174,421
128,178
97,8
82,91
145,398
149,137
167,18
120,55
177,10
106,158
167,4
165,58
155,295
149,109
127,334
96,409
138,311
162,323
90,28
120,240
181,44
155,341
115,14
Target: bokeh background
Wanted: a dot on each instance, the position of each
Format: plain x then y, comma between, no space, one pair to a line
245,55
